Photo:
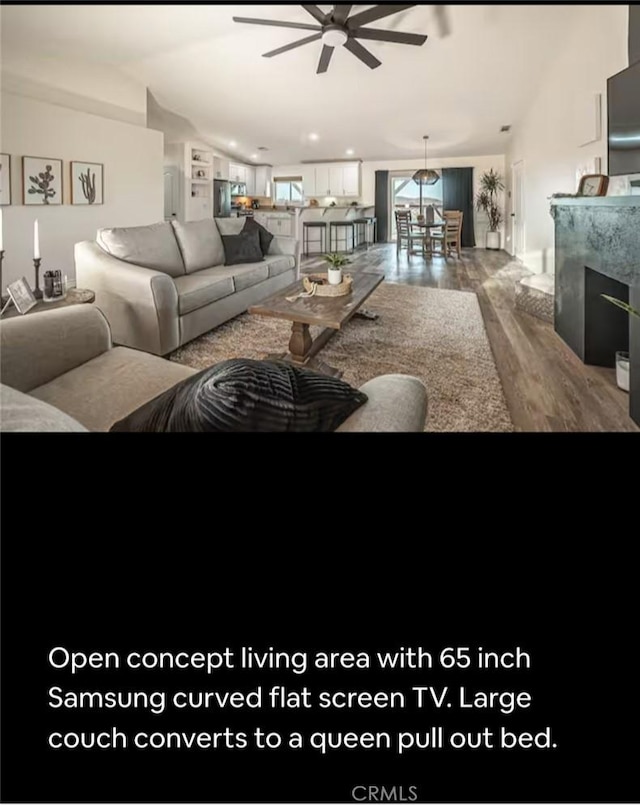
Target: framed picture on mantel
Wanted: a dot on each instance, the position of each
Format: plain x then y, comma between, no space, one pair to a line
595,184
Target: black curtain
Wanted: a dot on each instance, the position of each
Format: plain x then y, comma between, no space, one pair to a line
382,205
634,33
457,194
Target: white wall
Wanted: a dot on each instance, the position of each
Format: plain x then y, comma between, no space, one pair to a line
548,138
133,179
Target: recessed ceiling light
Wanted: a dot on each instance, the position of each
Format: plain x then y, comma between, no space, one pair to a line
254,156
349,152
233,144
314,137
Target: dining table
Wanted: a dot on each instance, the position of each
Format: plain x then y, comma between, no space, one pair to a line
427,226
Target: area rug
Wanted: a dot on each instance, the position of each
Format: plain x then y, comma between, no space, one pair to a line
436,335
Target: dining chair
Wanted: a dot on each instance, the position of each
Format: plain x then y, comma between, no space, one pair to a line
406,235
450,237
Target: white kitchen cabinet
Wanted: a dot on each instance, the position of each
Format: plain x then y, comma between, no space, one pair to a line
221,168
323,185
263,181
309,181
351,180
237,173
280,225
261,218
331,179
336,184
250,180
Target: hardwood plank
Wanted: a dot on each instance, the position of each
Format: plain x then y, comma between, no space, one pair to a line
546,386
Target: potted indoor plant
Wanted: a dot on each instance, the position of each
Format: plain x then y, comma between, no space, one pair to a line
491,185
622,358
336,262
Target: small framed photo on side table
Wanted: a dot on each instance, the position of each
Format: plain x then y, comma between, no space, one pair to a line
593,184
21,295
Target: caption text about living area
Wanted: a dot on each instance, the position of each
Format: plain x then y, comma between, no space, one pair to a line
237,680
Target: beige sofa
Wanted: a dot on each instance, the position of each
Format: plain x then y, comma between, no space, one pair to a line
60,372
163,285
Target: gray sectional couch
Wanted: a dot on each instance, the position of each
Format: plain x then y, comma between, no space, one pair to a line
165,284
61,372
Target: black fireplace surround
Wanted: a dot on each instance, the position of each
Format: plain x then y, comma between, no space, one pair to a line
597,251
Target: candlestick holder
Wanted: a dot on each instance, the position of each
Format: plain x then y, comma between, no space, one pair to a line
37,292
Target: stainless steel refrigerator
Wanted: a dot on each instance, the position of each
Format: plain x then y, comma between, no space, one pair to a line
221,199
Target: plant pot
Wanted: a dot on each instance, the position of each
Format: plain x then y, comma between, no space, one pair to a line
335,276
493,240
622,370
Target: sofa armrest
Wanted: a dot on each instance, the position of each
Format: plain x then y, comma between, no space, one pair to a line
140,304
288,246
397,403
39,347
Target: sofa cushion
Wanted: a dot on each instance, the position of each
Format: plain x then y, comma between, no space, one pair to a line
245,276
242,248
153,246
265,236
107,388
279,263
230,226
200,244
23,413
243,395
202,288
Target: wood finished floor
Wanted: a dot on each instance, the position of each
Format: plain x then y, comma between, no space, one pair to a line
547,387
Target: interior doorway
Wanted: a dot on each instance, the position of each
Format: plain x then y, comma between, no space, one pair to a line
517,210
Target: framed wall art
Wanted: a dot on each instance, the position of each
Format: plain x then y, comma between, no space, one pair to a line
87,180
5,179
41,181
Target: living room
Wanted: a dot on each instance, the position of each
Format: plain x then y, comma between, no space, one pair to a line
386,202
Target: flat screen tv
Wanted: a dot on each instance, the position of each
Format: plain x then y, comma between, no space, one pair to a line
623,102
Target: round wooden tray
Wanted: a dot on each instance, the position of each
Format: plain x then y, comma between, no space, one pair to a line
325,289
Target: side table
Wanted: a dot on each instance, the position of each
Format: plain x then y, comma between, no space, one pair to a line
74,296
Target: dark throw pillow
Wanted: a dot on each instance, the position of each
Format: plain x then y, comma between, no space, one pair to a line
265,236
242,248
243,395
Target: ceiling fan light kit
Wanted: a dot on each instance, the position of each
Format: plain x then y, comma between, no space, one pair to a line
338,29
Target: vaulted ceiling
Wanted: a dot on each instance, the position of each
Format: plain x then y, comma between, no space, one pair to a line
474,74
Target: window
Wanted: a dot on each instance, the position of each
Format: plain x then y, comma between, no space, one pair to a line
405,195
288,190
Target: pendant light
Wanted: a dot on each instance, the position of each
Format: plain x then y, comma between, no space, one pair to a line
424,176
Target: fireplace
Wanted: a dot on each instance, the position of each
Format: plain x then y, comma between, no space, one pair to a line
597,251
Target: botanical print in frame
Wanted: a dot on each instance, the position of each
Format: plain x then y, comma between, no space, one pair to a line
87,183
41,181
5,179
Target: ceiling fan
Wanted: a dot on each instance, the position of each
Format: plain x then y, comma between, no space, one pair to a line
337,29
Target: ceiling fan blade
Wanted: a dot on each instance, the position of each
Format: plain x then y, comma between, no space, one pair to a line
389,36
340,13
299,25
315,12
299,43
442,20
376,13
325,59
362,53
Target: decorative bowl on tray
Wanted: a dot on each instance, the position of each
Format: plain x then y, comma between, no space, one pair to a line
318,285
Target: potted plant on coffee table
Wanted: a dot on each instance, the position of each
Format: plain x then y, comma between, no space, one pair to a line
336,263
622,358
491,185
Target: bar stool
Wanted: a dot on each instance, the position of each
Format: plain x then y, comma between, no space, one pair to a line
359,233
334,228
320,225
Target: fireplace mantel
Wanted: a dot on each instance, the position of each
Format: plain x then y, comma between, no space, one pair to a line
597,251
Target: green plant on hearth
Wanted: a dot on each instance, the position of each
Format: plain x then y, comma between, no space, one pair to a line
619,303
336,260
491,185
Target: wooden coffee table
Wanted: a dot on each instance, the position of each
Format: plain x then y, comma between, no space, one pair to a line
332,313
